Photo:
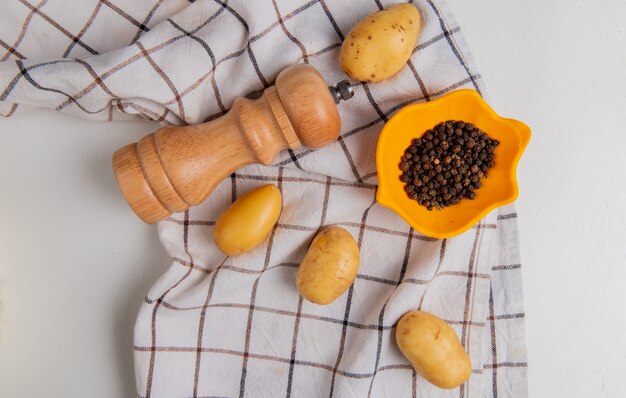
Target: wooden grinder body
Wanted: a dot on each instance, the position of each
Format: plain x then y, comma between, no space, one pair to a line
175,168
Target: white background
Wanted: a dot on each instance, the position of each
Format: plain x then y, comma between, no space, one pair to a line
75,263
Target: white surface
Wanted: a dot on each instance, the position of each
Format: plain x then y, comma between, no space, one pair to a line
75,264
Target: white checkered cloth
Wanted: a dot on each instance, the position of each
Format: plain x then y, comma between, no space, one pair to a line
216,326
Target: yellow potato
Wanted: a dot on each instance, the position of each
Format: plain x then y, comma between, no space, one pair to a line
381,44
329,267
248,221
433,349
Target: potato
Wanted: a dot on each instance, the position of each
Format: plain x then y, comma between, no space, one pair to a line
329,267
381,43
248,221
433,349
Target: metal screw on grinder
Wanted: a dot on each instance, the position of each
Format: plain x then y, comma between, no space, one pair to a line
342,91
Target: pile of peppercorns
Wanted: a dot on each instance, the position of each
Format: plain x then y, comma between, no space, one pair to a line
447,164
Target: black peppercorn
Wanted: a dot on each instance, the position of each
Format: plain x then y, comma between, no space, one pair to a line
447,164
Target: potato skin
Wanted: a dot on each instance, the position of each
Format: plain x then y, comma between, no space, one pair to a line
248,221
329,267
433,349
381,43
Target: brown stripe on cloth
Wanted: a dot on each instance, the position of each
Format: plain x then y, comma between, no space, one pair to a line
9,88
319,52
10,50
196,375
118,67
11,111
140,110
268,254
274,358
330,17
494,350
125,15
370,98
348,155
58,27
96,78
205,76
13,49
293,314
166,78
381,316
453,45
153,347
166,43
469,295
442,253
334,183
208,50
279,359
296,326
251,55
419,80
285,18
24,72
346,318
359,276
367,227
110,72
288,34
144,24
86,26
435,39
306,228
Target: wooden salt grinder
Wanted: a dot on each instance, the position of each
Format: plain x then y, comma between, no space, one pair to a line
175,168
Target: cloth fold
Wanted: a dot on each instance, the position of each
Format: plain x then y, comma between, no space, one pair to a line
223,326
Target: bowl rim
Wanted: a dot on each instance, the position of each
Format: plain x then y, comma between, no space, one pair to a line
522,132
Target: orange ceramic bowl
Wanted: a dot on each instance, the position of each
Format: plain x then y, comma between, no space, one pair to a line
499,188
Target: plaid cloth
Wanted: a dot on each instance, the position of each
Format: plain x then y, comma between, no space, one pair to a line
216,326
